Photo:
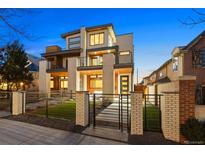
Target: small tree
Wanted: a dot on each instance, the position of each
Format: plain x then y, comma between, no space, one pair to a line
15,69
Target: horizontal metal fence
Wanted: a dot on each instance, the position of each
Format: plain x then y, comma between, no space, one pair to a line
59,105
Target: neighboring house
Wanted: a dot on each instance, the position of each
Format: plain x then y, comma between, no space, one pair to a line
33,68
186,60
95,60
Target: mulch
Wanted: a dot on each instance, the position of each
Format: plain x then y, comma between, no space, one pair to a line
150,138
47,122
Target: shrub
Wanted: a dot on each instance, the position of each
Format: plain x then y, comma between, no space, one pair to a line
193,130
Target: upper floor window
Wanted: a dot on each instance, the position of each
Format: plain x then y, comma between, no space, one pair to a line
161,75
97,39
74,42
175,64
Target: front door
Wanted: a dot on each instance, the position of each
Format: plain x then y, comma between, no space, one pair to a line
124,84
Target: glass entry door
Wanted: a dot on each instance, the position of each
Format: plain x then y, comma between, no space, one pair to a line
124,84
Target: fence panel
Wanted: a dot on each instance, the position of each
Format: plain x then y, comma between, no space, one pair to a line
110,110
6,101
58,105
152,112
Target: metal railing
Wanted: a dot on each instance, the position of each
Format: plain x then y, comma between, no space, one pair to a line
110,110
152,112
56,104
83,62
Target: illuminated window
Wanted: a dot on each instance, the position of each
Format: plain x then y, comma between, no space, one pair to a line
51,82
96,81
64,82
124,53
96,39
96,60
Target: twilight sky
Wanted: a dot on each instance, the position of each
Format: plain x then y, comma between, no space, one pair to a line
156,31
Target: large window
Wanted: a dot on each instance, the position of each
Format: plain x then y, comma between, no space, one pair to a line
96,39
96,60
96,81
64,82
74,42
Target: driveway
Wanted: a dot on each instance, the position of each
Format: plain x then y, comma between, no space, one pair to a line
14,132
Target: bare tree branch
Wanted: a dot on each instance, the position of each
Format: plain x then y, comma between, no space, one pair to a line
193,21
8,17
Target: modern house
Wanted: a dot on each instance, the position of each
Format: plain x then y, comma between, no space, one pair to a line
186,60
95,60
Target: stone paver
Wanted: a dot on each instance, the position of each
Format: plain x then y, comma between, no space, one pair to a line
14,132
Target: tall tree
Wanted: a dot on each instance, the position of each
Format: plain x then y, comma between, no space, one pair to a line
15,69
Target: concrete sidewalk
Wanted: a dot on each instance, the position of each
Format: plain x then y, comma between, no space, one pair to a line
14,132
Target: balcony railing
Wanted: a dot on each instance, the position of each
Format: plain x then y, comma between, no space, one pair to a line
51,66
83,62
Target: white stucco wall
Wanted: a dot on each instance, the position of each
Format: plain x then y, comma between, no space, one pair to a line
44,77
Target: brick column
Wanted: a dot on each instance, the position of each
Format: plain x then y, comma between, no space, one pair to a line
82,108
187,87
136,114
178,107
170,116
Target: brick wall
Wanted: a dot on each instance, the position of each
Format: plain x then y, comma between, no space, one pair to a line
136,114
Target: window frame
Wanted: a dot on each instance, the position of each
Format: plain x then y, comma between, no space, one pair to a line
95,79
103,40
74,42
174,63
203,58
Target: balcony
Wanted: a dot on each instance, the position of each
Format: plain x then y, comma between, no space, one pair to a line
89,63
55,68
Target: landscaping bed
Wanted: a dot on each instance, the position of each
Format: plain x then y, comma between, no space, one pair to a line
43,121
59,116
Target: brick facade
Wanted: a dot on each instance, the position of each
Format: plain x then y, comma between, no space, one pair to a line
187,101
136,114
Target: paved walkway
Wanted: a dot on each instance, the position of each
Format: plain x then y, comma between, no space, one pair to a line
13,132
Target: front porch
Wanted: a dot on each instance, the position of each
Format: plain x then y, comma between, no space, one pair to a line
97,81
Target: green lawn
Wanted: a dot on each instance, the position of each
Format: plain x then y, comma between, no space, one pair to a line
152,118
65,110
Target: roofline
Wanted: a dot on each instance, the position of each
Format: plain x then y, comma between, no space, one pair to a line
64,35
130,33
164,64
194,40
